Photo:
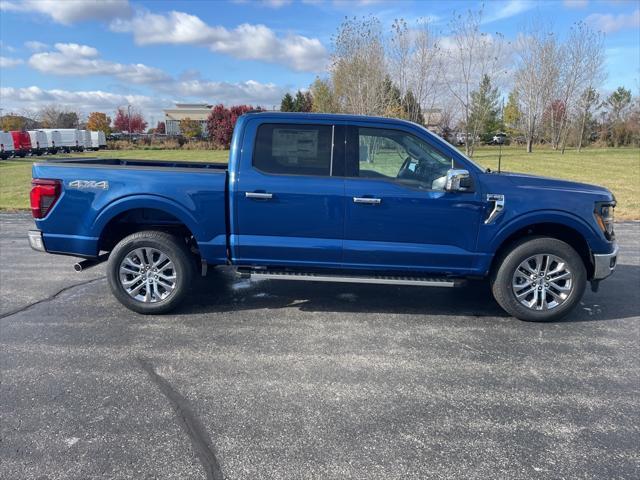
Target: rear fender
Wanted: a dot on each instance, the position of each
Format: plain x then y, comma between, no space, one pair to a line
134,202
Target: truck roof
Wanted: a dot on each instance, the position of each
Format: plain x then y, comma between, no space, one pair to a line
328,116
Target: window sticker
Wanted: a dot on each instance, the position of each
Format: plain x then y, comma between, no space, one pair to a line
294,143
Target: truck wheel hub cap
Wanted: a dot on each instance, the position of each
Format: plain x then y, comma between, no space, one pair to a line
542,282
147,275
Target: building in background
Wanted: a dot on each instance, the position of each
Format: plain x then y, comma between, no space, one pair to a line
193,111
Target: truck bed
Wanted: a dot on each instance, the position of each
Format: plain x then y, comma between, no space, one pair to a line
120,162
102,195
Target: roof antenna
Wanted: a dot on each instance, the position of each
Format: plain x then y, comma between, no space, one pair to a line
499,156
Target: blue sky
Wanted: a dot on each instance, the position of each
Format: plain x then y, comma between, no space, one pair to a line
95,55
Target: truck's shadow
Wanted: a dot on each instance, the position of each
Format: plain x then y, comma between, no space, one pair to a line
222,291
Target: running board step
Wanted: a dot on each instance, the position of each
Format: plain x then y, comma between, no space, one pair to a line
378,279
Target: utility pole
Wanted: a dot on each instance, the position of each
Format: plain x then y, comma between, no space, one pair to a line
129,120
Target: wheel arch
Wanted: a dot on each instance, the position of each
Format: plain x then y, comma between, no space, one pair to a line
561,231
132,214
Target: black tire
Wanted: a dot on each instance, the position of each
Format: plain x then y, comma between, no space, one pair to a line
506,265
174,248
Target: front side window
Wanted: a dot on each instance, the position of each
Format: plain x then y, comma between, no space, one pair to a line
293,149
401,157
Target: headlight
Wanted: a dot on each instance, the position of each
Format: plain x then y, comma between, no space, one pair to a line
604,217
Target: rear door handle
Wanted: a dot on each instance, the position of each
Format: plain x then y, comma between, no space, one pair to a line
367,200
259,195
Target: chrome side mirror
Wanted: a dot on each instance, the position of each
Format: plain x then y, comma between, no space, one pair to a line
458,180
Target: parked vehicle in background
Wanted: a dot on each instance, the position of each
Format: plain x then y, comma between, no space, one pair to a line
21,143
499,139
85,139
297,201
98,140
70,140
38,142
54,140
460,138
6,145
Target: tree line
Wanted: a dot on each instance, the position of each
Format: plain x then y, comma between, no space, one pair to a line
456,83
53,116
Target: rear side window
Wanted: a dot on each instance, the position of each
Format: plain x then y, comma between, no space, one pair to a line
293,149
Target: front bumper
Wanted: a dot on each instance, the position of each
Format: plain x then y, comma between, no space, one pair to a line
604,264
35,240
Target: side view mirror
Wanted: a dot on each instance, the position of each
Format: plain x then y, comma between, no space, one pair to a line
458,180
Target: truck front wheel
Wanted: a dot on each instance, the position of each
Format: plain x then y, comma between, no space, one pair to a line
539,279
150,272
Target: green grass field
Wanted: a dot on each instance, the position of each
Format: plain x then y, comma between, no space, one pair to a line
616,169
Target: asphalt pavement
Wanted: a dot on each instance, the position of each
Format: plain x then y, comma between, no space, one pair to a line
296,380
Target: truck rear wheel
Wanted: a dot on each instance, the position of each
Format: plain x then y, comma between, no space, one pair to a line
539,279
150,272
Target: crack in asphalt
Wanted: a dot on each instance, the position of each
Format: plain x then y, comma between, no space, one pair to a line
49,298
188,421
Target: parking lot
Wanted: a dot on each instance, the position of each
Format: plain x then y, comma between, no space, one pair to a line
293,380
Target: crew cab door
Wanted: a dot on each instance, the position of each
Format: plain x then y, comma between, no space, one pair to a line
289,194
398,216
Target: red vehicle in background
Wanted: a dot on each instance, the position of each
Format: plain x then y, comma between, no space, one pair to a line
21,143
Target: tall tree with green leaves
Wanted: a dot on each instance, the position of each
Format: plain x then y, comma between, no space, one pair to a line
618,103
324,99
412,108
588,100
303,102
287,103
392,98
512,114
484,114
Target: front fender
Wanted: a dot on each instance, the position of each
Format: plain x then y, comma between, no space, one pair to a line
493,240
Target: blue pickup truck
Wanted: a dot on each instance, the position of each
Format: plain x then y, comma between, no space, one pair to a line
328,198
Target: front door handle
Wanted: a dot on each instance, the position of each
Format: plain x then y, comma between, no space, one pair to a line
259,195
367,200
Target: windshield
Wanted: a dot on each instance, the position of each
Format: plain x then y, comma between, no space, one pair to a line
446,144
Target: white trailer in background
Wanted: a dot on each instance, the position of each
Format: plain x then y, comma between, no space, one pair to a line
85,139
98,140
39,144
71,140
54,140
6,145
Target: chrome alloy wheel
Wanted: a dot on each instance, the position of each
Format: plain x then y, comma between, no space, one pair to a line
542,282
147,275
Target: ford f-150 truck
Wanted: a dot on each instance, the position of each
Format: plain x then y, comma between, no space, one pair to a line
328,198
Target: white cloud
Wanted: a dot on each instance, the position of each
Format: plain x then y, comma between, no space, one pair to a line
609,23
249,92
71,11
276,3
73,49
247,41
500,11
36,46
6,62
82,60
33,98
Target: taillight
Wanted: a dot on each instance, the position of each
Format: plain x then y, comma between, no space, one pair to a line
44,194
